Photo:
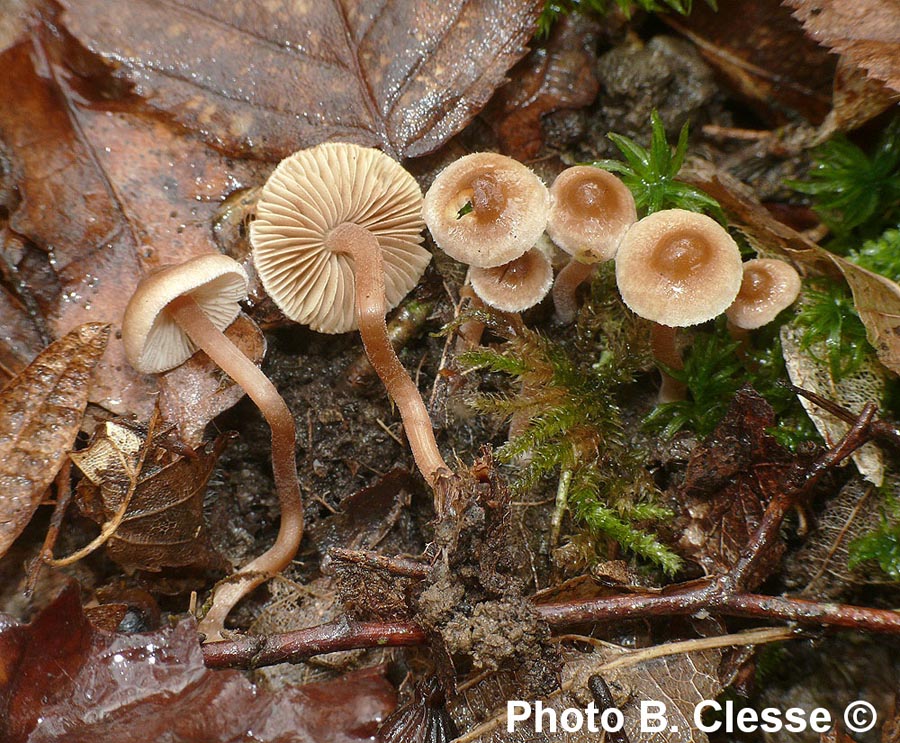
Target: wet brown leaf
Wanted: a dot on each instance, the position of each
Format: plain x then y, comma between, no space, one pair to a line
855,99
105,196
763,54
40,414
556,76
65,681
192,394
398,74
865,31
162,526
730,479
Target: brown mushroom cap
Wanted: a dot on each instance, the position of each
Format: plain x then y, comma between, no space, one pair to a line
590,212
509,209
768,287
514,286
309,194
154,342
678,268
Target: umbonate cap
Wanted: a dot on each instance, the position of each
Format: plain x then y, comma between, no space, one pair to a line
678,268
769,286
486,209
311,193
590,212
514,286
154,342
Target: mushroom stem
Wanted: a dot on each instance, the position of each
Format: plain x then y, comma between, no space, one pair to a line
361,245
570,277
260,389
741,336
666,352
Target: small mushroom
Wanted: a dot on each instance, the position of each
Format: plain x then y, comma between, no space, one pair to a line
514,286
336,242
768,287
172,313
590,212
486,209
677,268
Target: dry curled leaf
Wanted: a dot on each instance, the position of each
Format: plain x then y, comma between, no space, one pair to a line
104,197
865,31
851,392
162,526
40,415
63,680
730,479
398,74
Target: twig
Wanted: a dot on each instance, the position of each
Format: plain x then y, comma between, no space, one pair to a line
63,498
400,566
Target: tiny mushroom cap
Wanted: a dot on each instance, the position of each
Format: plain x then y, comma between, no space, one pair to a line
590,212
514,286
508,214
678,268
154,342
768,287
311,193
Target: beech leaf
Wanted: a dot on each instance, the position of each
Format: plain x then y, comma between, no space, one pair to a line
66,681
40,415
865,31
402,75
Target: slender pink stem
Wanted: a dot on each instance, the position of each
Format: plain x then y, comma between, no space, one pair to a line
665,351
260,389
565,289
360,244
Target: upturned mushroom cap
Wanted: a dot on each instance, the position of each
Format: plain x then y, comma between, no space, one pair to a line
768,287
514,286
678,268
153,340
509,209
309,194
590,212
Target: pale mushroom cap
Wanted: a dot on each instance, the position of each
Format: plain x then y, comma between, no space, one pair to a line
678,268
514,286
768,287
153,340
309,194
590,212
510,206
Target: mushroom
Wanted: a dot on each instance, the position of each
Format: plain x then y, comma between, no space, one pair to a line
514,286
768,287
590,212
677,268
337,242
172,313
486,209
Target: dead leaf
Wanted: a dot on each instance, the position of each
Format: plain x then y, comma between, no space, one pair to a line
680,681
556,76
40,415
105,196
162,526
66,681
401,75
730,479
764,56
865,31
192,394
20,341
855,99
851,392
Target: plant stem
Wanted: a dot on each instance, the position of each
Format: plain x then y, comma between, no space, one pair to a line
260,389
559,508
361,245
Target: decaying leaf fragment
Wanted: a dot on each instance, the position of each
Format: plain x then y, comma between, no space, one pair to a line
866,31
852,392
40,415
162,526
402,75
